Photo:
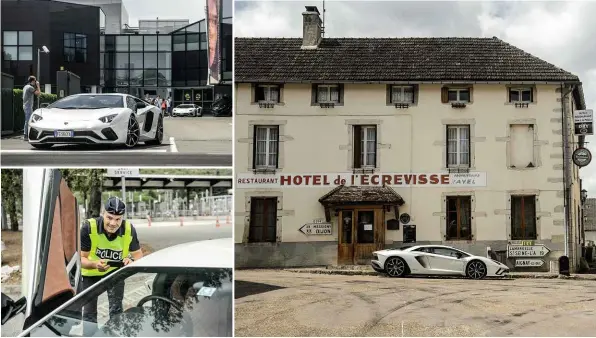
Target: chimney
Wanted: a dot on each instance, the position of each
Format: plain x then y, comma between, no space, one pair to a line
311,28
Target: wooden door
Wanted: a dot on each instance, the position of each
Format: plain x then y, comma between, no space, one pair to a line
369,234
345,248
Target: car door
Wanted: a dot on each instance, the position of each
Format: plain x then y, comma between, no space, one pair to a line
51,259
145,115
445,261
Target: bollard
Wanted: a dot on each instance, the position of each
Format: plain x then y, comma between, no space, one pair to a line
149,220
181,221
217,222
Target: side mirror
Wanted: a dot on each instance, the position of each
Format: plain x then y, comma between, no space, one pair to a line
44,105
140,105
459,255
10,308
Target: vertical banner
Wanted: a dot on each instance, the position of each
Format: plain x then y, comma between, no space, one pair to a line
213,21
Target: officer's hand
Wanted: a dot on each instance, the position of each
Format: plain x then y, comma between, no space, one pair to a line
127,261
101,265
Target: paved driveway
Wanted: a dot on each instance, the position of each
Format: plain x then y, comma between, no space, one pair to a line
283,303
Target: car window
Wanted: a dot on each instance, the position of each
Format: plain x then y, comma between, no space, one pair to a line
423,249
130,103
88,102
445,252
137,101
156,302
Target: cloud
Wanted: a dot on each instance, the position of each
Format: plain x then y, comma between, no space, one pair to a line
562,33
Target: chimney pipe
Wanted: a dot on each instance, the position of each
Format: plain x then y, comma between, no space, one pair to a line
311,28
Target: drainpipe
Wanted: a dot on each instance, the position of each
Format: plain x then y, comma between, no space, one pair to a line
567,175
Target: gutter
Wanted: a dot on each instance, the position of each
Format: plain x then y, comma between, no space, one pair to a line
567,167
503,82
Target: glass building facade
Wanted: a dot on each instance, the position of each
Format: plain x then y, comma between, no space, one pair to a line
169,65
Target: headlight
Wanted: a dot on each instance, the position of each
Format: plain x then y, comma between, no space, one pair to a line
108,119
36,118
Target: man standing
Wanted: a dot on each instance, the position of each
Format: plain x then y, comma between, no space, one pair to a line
30,90
104,239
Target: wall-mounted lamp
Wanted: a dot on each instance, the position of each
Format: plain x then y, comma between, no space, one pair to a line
583,195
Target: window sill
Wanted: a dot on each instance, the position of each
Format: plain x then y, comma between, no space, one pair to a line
273,103
402,105
327,104
370,170
265,171
459,170
520,102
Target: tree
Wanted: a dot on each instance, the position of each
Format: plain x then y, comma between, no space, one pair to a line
88,183
12,195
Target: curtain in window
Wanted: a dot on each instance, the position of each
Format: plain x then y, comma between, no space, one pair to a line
322,95
261,159
274,94
408,94
334,94
396,94
273,137
452,146
370,145
464,152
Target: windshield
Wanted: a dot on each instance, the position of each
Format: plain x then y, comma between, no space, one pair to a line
89,102
183,302
185,106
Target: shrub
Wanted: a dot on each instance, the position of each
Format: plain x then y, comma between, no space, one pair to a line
19,114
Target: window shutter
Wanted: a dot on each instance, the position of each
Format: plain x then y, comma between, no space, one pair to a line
280,90
341,93
388,95
532,94
415,88
277,146
253,92
508,94
471,90
254,147
357,146
444,95
313,95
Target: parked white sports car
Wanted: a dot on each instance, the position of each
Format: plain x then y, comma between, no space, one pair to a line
187,110
435,260
181,291
96,119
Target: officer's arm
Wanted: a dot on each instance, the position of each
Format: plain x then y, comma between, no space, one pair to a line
86,247
85,262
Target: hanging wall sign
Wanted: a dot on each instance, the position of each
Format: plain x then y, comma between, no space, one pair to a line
404,218
582,157
584,122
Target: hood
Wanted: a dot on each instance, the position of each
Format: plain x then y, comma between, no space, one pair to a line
51,259
54,114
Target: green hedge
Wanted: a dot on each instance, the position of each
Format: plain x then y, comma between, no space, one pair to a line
19,114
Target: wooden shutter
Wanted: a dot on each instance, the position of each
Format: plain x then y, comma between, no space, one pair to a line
471,90
388,95
357,146
444,95
340,88
281,88
253,92
532,90
415,89
254,147
313,95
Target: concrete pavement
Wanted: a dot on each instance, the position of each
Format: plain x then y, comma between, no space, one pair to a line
171,233
189,141
282,303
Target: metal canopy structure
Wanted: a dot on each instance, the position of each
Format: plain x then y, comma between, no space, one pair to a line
151,181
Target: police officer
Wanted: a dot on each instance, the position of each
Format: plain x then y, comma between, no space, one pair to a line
103,239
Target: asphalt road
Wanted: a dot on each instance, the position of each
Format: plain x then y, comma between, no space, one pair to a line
188,141
279,303
162,236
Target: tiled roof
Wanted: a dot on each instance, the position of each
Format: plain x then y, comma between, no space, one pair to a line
361,195
389,59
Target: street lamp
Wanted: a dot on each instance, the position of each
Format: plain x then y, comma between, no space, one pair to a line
583,195
45,50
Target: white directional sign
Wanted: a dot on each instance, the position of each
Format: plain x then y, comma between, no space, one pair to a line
529,263
527,250
127,172
584,122
316,228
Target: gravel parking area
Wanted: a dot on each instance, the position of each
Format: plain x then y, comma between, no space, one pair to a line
281,303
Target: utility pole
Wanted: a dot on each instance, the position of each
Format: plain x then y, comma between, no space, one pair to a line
567,175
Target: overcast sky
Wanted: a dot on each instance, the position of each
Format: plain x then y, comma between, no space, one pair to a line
193,10
562,33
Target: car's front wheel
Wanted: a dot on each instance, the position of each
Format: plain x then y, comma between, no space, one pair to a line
158,133
396,267
476,270
133,132
41,145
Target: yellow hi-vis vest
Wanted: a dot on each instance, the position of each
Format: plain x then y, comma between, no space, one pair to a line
102,248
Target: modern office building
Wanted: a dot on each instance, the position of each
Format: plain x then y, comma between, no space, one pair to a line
92,39
345,146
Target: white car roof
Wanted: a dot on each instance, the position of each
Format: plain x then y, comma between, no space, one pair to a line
433,246
215,253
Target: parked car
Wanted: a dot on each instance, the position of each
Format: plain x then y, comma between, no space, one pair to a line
222,107
191,295
187,110
435,260
96,119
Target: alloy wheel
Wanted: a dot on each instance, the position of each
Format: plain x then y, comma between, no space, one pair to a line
476,270
159,130
395,267
132,137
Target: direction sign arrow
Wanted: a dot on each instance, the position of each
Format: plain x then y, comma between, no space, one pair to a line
538,250
316,229
533,263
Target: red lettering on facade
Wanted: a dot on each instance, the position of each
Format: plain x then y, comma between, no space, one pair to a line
434,179
285,180
364,179
374,179
326,180
386,179
397,179
444,179
422,179
316,180
297,180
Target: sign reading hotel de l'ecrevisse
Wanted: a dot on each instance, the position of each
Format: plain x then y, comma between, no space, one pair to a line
472,179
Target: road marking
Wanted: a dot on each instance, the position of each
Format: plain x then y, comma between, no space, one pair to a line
28,151
173,148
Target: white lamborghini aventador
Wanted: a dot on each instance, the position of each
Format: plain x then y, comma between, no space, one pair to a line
435,260
118,119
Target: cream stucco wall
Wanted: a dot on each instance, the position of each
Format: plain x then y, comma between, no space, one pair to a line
318,140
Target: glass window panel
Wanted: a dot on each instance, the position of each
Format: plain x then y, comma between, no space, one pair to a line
464,95
192,42
122,78
165,60
165,43
164,77
81,55
150,43
10,39
136,60
514,95
69,54
110,43
26,38
136,77
122,43
150,60
202,26
68,42
192,60
136,43
527,95
150,77
452,95
10,53
121,60
193,28
81,41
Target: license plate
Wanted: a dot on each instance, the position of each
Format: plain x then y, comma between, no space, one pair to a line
63,133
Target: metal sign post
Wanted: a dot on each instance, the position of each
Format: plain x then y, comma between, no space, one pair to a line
124,194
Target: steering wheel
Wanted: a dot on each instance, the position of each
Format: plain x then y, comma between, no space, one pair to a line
167,300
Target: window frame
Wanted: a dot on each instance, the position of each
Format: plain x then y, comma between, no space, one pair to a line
18,45
402,87
82,50
458,93
458,199
522,221
268,142
328,86
270,221
520,91
359,152
458,151
267,93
